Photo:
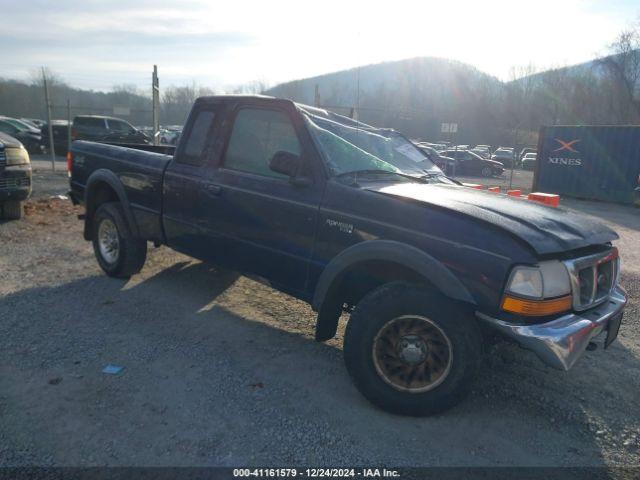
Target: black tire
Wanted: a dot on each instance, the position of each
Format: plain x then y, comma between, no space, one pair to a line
372,316
487,172
130,252
13,210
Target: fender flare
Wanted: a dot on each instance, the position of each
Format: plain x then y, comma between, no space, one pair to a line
396,252
107,176
386,250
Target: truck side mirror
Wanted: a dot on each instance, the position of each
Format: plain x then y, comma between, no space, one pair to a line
286,163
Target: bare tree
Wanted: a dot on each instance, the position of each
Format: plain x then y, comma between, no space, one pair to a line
623,67
177,102
128,88
53,79
254,87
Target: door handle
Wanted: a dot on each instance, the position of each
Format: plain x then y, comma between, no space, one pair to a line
212,189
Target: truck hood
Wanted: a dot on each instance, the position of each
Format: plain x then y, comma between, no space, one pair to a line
546,229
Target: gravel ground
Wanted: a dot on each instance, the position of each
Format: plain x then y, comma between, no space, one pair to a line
47,183
221,370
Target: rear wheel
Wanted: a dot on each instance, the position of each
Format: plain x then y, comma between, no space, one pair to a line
13,210
410,350
117,251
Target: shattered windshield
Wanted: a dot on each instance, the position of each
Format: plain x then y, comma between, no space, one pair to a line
351,147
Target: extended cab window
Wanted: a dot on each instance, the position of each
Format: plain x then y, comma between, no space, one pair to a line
196,141
257,135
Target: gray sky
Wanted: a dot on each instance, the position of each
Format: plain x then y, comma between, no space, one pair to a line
98,44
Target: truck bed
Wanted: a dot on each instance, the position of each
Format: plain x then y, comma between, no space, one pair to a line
138,169
163,149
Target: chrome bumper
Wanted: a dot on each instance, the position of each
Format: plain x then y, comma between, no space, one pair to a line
560,342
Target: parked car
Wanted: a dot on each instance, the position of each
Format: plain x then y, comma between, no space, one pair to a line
37,123
347,218
469,163
529,161
15,177
439,147
446,164
29,136
526,150
504,156
170,135
483,150
60,130
106,129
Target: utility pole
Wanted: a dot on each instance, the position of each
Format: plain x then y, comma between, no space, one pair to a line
68,125
316,102
515,152
156,105
513,159
48,102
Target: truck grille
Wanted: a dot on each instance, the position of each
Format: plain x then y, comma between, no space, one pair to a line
14,182
593,278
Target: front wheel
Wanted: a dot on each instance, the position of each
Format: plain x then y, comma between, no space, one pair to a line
118,252
410,350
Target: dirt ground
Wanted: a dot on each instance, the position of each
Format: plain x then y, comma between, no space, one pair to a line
221,370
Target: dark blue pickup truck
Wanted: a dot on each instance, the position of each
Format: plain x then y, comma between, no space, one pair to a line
356,219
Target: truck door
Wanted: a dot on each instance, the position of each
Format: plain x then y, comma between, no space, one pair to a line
186,200
269,223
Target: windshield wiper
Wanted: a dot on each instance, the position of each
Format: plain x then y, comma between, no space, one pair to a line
355,174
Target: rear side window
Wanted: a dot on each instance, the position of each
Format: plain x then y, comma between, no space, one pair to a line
119,126
90,122
257,135
196,140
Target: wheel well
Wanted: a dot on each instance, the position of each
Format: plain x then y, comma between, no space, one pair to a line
366,276
354,283
101,192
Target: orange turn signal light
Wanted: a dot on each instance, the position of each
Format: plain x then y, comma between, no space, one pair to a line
536,308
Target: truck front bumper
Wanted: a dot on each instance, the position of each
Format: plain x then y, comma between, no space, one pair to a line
561,342
15,183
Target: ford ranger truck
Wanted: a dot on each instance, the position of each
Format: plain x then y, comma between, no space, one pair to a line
350,218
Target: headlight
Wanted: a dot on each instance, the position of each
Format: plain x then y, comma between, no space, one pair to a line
16,156
555,279
548,280
526,282
541,290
